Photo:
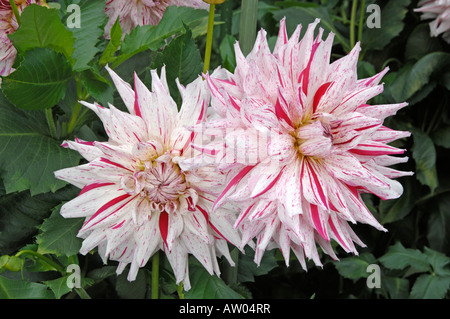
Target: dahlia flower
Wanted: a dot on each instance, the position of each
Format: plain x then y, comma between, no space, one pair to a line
132,13
439,12
8,24
300,144
135,197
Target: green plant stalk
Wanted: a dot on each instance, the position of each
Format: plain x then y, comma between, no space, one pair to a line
209,38
155,276
247,27
352,23
42,258
51,122
15,10
82,293
74,118
180,290
361,20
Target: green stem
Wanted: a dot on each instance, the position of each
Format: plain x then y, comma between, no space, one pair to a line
231,272
180,290
82,293
247,27
155,276
209,38
361,20
15,10
74,118
43,258
50,122
352,23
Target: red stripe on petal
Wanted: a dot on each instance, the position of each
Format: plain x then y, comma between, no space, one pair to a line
320,92
375,150
205,214
79,141
304,76
92,186
280,113
119,225
317,222
164,225
270,185
319,187
113,163
336,233
137,108
233,182
108,205
242,216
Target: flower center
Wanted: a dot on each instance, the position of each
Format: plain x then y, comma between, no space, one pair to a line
313,139
158,180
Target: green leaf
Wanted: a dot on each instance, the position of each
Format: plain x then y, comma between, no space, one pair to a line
438,234
430,287
21,214
41,27
87,37
40,81
108,55
438,261
28,156
152,37
102,273
248,269
413,77
59,235
182,60
399,257
392,24
136,289
420,43
18,289
424,154
205,286
394,210
307,15
59,286
227,54
355,267
441,136
97,86
397,288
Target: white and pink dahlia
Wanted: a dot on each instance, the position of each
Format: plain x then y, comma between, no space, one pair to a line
439,12
300,144
8,25
132,13
135,198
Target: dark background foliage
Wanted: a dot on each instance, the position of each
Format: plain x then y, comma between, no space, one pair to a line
39,109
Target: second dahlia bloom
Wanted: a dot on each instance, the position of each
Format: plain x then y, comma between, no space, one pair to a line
8,25
132,13
439,12
300,144
135,198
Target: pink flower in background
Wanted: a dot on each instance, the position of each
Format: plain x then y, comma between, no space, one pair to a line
439,12
8,24
135,198
132,13
315,144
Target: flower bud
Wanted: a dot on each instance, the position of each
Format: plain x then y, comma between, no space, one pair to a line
214,1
